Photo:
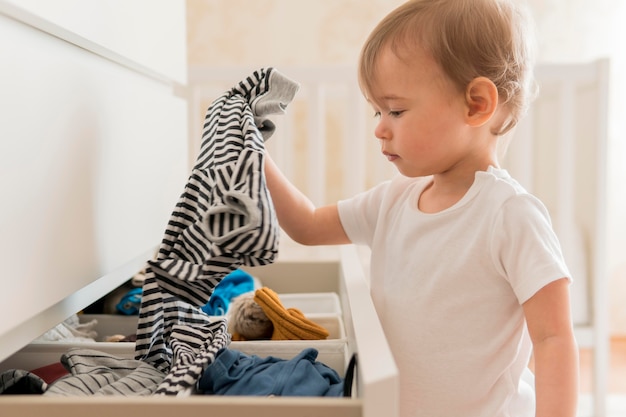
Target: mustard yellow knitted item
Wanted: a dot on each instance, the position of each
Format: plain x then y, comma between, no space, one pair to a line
289,323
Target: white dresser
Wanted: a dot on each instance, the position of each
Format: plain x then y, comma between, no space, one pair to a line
93,156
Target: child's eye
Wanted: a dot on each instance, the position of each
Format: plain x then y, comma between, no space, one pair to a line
391,113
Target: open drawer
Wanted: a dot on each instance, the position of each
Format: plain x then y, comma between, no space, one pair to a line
375,392
332,351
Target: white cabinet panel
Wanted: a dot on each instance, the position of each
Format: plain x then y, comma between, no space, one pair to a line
93,156
151,33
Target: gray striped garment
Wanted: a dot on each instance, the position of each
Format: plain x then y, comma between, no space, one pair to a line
224,219
98,373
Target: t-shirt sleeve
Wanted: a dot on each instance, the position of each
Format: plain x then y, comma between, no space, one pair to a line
359,214
526,247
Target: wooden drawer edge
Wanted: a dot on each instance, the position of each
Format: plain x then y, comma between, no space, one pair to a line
31,406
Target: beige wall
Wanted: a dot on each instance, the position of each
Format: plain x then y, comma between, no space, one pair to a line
280,32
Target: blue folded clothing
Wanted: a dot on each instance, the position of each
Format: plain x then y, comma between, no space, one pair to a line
236,283
236,373
130,302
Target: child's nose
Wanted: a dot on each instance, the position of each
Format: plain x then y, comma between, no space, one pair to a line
381,131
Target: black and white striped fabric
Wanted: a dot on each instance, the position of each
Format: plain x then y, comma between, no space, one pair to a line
19,381
224,219
93,372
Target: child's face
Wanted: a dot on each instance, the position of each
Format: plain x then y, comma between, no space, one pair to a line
421,125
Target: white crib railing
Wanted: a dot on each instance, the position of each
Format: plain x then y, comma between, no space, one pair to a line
559,153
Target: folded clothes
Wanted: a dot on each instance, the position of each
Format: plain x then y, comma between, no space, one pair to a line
71,330
236,373
98,373
289,323
236,283
20,382
247,320
130,302
51,373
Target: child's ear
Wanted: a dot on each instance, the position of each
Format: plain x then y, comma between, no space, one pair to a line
481,97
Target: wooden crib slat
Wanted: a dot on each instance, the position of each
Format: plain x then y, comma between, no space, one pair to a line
560,156
316,173
516,151
566,162
355,138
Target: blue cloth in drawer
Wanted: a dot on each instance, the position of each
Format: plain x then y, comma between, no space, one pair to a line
235,373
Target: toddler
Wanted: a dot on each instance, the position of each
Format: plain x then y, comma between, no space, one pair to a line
467,275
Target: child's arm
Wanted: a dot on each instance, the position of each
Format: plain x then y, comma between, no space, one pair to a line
297,216
555,351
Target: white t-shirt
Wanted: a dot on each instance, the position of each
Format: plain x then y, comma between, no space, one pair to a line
448,289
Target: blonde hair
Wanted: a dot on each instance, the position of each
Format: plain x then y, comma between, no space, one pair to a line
468,39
